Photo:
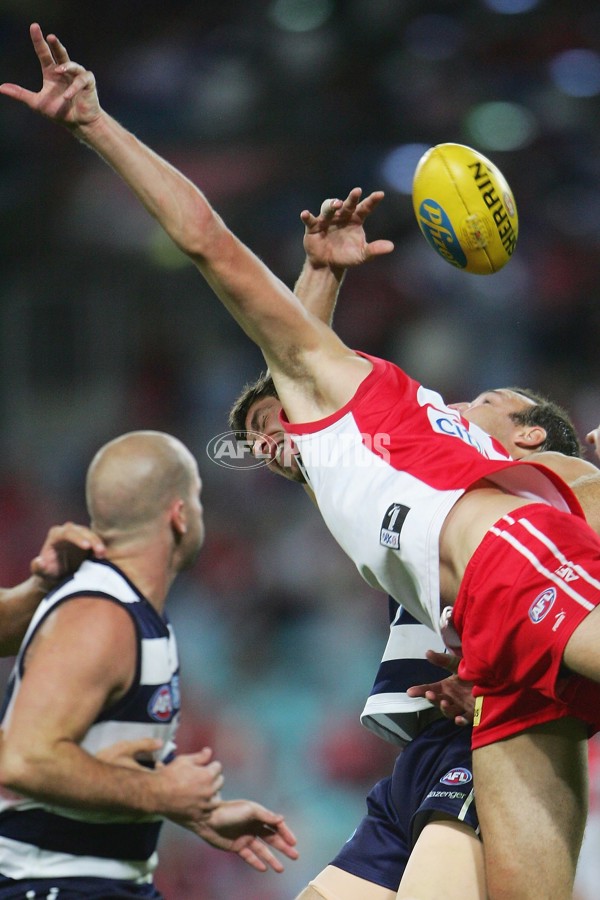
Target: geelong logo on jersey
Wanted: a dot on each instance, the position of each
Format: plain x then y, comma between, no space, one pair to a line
542,605
456,776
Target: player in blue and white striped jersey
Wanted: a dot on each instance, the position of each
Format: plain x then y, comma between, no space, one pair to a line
99,665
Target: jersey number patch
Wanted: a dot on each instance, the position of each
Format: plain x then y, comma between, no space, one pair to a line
389,536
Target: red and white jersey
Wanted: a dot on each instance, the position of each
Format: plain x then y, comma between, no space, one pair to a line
388,467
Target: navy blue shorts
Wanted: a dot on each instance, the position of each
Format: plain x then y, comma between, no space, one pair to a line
431,775
75,889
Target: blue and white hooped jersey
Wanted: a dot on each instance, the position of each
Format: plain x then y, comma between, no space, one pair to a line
38,840
386,470
389,712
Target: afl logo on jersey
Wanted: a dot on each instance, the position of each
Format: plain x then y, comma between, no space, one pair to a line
160,707
456,776
542,605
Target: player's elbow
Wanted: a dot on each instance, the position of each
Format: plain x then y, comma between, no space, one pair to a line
17,771
201,234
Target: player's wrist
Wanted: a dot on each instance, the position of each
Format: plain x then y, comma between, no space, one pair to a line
314,263
95,130
38,585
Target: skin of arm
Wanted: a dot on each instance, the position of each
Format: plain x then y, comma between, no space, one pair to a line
243,827
81,660
334,241
316,373
582,477
248,829
64,549
17,605
44,751
587,491
237,826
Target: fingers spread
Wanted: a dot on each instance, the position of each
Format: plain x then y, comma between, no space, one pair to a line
329,207
370,203
258,855
58,50
42,50
378,248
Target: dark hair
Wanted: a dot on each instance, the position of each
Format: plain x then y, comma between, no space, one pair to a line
253,391
561,436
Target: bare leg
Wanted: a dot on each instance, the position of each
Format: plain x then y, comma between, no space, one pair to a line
335,884
447,861
532,794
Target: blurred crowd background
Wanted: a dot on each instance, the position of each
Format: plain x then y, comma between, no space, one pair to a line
271,106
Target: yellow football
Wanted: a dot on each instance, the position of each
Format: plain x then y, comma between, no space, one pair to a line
465,208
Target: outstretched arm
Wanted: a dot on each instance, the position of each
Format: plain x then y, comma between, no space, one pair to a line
297,347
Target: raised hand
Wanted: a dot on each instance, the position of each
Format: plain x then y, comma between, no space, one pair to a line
452,696
68,93
63,551
248,829
336,237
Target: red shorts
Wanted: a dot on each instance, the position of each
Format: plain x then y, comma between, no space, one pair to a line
530,583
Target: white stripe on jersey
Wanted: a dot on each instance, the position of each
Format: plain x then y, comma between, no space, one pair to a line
157,667
392,714
24,861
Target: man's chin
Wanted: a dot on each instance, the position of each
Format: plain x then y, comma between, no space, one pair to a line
292,473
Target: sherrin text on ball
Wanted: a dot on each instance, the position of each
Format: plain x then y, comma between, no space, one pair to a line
465,208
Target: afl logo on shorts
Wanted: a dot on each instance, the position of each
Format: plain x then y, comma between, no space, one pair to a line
542,605
456,776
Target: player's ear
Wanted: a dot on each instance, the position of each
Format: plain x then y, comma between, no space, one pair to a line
530,437
178,517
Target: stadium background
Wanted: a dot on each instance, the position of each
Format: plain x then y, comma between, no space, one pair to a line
271,106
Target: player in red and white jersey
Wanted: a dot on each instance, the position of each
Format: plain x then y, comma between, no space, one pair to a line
386,454
503,513
405,806
425,808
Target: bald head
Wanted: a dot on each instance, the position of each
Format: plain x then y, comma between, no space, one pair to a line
133,479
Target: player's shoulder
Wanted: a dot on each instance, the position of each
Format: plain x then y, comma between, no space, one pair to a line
569,468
